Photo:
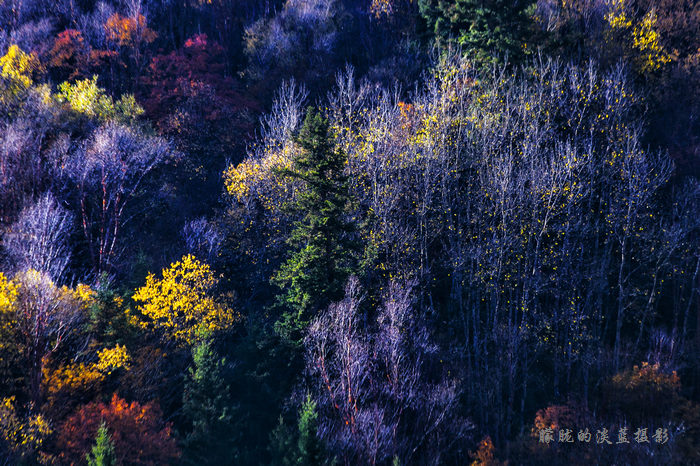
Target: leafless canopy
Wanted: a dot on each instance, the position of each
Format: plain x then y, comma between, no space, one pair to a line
379,392
39,238
108,172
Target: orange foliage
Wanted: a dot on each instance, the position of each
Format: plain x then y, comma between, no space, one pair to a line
70,54
558,417
102,57
648,375
642,393
127,32
137,431
382,7
406,110
409,116
485,455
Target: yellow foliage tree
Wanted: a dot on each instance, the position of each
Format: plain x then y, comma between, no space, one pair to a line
113,358
23,436
180,304
8,293
640,34
9,348
36,317
86,97
255,178
67,384
652,54
17,67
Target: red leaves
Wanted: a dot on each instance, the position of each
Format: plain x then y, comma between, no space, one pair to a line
197,67
140,436
70,54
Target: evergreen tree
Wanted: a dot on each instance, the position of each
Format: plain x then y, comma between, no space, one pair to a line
300,448
103,450
323,253
310,448
282,448
486,29
208,406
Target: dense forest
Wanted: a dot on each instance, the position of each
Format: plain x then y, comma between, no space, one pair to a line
349,232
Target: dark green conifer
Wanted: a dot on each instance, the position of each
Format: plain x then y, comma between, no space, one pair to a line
487,30
208,406
322,252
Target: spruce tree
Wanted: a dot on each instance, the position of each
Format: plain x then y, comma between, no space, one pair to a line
282,448
103,450
487,30
208,406
322,252
310,448
301,447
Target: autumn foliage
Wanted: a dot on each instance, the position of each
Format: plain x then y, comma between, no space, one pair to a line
643,392
377,232
127,32
485,455
197,67
70,54
180,303
139,434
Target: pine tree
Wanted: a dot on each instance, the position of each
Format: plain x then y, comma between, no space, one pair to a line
486,29
301,447
207,405
103,450
322,252
310,448
282,448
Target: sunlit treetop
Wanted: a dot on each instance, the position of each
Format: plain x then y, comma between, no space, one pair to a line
111,359
649,53
18,69
87,98
180,305
126,32
255,177
8,292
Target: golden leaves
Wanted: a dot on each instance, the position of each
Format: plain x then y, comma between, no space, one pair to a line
18,68
179,303
128,31
618,16
646,40
651,55
8,292
86,97
22,435
255,177
111,359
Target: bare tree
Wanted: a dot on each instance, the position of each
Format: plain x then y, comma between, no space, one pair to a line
374,391
21,171
285,118
202,239
108,173
39,238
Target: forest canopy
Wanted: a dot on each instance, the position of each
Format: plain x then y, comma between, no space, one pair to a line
318,232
